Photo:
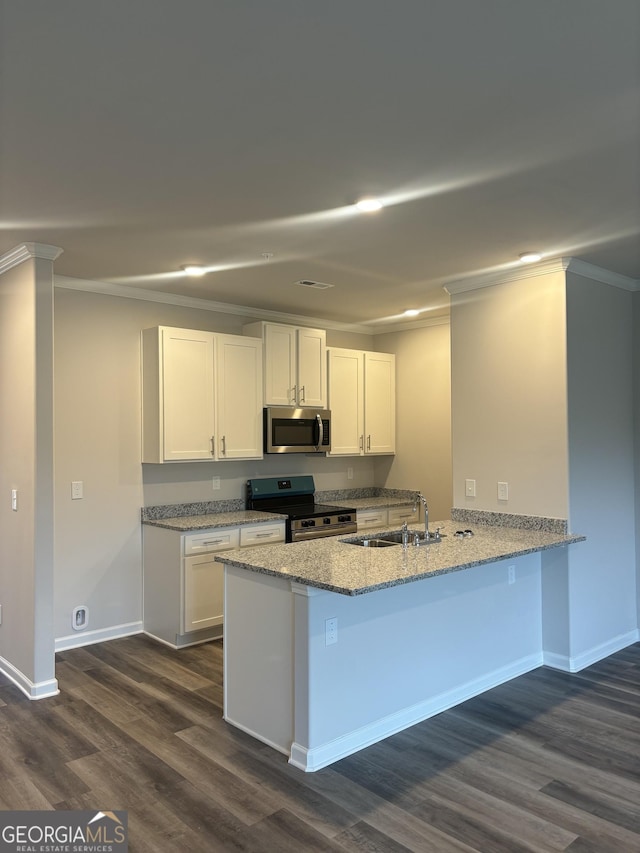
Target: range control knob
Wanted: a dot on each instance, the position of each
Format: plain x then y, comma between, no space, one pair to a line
326,520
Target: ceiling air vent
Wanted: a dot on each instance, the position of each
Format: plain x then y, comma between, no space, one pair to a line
317,285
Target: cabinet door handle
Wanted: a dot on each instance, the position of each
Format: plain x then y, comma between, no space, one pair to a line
293,394
224,445
301,395
361,442
213,541
263,535
368,442
213,445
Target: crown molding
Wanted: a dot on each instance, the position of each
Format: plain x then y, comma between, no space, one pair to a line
504,276
582,268
562,265
109,289
25,251
408,325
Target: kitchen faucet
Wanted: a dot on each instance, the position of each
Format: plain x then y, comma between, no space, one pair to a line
421,497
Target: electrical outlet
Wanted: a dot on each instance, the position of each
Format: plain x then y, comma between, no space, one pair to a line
331,631
503,491
77,490
349,473
215,483
470,488
512,574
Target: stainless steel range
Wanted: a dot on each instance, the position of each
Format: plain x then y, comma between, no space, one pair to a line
294,497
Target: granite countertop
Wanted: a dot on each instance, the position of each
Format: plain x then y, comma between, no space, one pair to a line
187,523
337,566
374,503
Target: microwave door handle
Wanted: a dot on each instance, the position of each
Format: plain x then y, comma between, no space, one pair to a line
320,432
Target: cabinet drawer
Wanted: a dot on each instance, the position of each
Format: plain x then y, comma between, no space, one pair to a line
400,514
220,539
371,518
261,534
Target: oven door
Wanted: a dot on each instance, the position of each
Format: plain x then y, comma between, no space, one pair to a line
298,531
289,430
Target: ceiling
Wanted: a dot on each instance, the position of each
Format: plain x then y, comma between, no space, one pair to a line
141,135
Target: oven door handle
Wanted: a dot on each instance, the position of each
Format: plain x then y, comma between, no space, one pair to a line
320,432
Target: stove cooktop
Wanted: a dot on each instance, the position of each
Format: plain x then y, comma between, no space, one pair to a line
310,510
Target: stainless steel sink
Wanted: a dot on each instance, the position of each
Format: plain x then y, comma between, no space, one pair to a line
415,538
378,542
384,540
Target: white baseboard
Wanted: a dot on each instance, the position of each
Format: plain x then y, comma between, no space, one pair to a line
88,638
186,640
32,690
591,656
318,757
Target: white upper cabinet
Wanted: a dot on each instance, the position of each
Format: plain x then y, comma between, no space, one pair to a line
239,397
362,399
379,402
295,365
346,401
201,396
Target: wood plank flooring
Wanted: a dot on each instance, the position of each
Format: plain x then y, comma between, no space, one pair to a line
547,762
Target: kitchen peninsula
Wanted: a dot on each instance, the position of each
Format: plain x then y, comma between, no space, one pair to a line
330,646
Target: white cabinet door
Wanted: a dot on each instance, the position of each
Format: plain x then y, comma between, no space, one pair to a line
187,394
380,402
312,368
203,603
346,401
295,364
280,363
239,397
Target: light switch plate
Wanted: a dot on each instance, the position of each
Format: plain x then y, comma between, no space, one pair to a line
503,491
77,490
470,488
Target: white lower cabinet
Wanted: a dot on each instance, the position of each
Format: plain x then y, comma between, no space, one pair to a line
367,518
387,517
183,583
203,594
399,514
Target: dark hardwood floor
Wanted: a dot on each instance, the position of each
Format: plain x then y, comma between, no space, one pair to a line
547,762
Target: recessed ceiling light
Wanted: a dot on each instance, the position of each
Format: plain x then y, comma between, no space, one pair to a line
530,257
411,312
193,269
368,205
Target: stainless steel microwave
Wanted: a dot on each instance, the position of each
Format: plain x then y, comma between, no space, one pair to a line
290,430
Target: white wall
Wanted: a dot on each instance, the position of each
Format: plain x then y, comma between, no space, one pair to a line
509,404
26,464
423,431
602,575
97,441
636,432
542,379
